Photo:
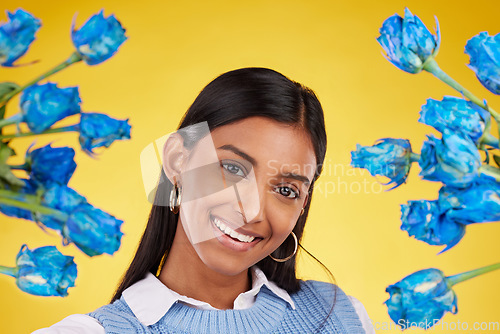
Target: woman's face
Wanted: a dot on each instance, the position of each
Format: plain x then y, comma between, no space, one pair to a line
243,188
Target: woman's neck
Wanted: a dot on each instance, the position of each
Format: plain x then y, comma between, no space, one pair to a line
185,273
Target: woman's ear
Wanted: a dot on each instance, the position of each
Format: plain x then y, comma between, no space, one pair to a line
174,157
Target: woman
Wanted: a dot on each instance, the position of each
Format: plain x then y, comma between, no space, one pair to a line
238,175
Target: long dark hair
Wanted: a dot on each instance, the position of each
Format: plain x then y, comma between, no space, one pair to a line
234,96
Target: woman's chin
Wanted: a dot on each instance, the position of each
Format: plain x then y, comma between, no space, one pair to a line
222,263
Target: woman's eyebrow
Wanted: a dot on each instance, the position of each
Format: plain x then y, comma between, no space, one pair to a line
237,151
296,177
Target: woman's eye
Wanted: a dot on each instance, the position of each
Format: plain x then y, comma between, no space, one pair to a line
288,192
233,169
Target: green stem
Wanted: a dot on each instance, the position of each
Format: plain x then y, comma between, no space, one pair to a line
75,57
490,171
8,271
490,140
23,166
2,113
414,157
33,207
13,194
431,66
486,133
11,120
52,130
452,280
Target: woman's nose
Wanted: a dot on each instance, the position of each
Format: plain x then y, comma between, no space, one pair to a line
250,199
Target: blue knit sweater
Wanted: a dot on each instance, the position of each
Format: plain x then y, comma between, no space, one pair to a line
269,314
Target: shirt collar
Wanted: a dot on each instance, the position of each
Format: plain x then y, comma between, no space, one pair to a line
149,299
258,280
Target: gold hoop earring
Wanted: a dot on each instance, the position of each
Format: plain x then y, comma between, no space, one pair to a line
301,212
288,257
175,199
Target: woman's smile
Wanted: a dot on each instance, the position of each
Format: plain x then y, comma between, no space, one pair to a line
230,238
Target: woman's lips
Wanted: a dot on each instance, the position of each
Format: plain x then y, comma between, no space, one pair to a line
236,229
232,243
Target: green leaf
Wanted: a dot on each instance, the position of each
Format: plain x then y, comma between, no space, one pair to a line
7,175
6,88
5,172
497,159
5,152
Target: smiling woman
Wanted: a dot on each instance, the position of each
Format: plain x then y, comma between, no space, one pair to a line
237,176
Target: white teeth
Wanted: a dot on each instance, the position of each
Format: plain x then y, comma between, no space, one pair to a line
222,226
231,232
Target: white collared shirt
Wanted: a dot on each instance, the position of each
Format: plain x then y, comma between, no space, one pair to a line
149,299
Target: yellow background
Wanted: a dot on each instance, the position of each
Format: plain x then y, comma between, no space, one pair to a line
174,49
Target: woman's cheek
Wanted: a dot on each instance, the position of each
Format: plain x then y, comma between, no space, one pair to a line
283,218
194,219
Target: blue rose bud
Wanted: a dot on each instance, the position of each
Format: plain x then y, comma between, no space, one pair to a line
62,198
17,35
43,271
478,203
389,157
99,38
407,42
453,160
98,130
93,231
484,52
420,299
44,105
425,221
51,164
29,188
457,115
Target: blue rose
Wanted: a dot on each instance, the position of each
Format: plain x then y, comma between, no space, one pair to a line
426,221
484,52
62,198
16,36
29,188
453,160
92,230
51,164
407,42
44,105
98,130
389,157
455,114
99,38
421,299
45,271
478,203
